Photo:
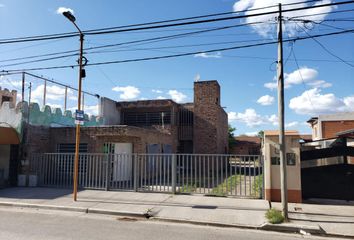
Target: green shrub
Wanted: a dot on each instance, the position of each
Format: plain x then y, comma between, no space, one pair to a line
274,216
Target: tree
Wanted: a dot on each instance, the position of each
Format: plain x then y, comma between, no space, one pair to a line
260,134
231,135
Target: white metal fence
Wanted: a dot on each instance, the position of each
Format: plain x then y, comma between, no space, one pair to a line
221,175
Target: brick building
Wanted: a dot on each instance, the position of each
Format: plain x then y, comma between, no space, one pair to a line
327,126
246,145
149,126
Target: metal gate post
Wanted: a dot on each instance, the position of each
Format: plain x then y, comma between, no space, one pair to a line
108,172
174,173
136,172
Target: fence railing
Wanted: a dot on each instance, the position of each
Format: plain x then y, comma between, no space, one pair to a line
221,175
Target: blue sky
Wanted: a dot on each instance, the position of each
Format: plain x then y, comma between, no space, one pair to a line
323,84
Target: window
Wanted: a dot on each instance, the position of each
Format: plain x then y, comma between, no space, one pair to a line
291,159
275,160
70,148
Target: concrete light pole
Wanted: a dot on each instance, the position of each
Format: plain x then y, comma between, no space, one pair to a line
72,19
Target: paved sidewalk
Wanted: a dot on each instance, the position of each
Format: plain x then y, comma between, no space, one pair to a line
333,219
217,211
201,209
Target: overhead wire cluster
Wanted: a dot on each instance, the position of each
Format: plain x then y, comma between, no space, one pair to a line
167,24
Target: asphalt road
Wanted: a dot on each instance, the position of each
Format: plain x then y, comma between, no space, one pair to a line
32,224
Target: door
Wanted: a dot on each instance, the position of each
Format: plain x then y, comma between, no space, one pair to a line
122,162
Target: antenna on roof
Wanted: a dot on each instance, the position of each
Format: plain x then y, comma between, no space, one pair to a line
197,78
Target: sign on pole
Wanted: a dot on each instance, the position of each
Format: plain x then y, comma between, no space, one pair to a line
79,117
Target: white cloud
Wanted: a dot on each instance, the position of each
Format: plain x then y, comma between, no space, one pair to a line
128,92
303,75
271,85
160,97
313,102
292,124
266,28
251,118
88,109
156,91
91,109
54,105
349,102
177,96
266,100
52,93
208,55
7,82
319,84
273,119
60,10
251,134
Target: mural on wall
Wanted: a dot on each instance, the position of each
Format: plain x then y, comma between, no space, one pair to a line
15,117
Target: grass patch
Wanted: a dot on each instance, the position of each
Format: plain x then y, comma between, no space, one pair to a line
224,188
187,188
274,216
257,186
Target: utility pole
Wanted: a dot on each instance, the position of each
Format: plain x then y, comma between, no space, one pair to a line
23,87
282,152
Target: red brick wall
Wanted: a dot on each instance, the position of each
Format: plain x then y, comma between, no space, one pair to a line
330,128
210,133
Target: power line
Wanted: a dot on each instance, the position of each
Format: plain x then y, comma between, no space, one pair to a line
155,39
180,55
326,49
118,29
71,34
48,80
318,14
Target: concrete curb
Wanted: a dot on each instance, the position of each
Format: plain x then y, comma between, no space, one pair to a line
202,223
42,206
116,213
292,227
73,209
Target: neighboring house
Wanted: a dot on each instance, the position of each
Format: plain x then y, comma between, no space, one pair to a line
147,126
328,126
246,145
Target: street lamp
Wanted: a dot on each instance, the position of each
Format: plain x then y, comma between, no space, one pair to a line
72,19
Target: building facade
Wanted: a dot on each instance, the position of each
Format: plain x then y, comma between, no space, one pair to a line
328,126
148,126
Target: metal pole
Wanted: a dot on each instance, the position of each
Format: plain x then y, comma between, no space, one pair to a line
66,98
77,142
29,103
83,101
23,86
280,75
136,172
174,173
44,92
